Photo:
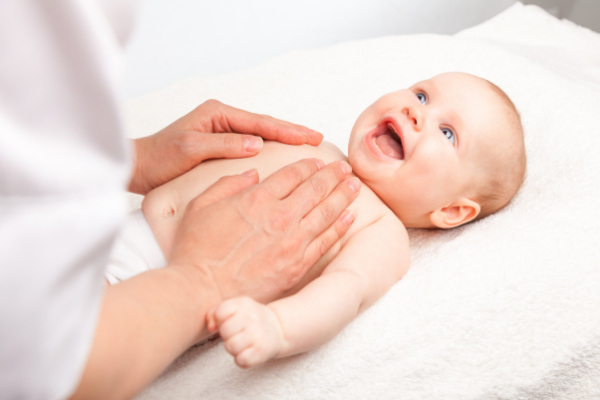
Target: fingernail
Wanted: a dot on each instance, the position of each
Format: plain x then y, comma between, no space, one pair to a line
348,217
354,184
250,173
320,163
345,167
307,137
252,144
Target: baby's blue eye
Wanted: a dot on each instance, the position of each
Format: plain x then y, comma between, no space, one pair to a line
449,134
422,98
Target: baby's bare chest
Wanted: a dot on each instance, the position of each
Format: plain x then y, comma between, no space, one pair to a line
164,206
271,158
171,198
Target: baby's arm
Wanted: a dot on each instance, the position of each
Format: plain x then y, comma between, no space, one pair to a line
372,260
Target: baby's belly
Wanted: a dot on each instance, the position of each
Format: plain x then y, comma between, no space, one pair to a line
165,205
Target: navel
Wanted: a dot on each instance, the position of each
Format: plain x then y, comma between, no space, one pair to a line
168,211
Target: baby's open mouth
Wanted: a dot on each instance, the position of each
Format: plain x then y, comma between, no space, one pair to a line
389,142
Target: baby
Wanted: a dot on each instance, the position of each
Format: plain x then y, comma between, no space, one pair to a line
446,151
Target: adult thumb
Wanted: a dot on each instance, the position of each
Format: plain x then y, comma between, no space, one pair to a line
224,188
230,145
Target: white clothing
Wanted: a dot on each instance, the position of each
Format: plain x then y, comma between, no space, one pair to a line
135,250
64,163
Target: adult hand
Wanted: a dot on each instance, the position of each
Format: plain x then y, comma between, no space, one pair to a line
212,130
259,240
236,238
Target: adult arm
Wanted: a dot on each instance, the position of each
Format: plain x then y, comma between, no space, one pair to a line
288,221
212,130
64,166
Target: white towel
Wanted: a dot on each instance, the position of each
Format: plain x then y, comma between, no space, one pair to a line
134,251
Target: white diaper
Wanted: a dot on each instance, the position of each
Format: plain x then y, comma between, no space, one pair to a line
135,250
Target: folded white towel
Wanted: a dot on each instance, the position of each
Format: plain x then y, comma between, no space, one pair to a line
135,250
505,308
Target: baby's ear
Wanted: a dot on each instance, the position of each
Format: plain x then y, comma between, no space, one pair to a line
459,212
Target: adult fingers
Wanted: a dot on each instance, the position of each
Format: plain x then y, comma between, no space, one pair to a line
283,182
225,187
225,118
314,138
322,243
204,146
324,215
316,188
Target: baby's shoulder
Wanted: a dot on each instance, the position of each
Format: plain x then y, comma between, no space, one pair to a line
370,210
376,247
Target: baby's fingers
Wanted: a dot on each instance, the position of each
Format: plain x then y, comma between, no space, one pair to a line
218,315
211,321
238,343
250,357
230,317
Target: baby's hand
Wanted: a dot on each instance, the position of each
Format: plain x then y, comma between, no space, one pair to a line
251,330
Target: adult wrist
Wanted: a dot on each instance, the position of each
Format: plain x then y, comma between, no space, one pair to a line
136,184
198,284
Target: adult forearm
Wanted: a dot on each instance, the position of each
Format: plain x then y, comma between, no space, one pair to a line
145,323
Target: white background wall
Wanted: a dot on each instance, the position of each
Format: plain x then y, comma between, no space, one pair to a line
582,12
176,39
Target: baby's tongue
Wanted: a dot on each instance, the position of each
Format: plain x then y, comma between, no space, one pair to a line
389,146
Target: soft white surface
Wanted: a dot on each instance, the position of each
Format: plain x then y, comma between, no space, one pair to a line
505,308
135,250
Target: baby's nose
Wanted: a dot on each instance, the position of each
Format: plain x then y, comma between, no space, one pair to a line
415,116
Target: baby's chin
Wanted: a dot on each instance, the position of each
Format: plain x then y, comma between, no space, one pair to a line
366,169
358,167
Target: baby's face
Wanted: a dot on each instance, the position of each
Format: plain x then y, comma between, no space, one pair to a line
419,149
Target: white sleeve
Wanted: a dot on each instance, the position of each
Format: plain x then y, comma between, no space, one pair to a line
64,164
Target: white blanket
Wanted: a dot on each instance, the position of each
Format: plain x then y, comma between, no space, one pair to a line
505,308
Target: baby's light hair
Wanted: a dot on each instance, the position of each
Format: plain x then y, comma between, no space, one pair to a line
507,173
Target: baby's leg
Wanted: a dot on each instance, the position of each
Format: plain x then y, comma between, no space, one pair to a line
135,250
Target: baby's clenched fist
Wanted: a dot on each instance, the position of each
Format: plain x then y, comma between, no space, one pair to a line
251,330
